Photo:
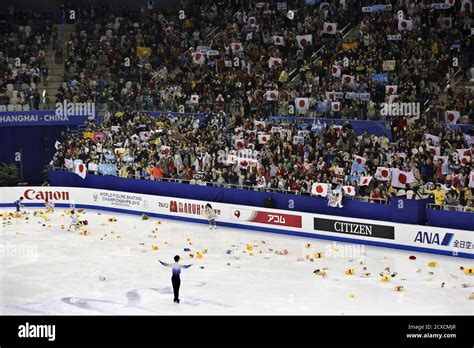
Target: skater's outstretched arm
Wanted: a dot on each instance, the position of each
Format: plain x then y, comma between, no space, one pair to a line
187,266
164,263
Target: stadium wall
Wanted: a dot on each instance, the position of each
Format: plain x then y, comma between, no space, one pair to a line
451,242
402,210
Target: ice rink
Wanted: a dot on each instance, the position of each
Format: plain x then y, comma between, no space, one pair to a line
47,270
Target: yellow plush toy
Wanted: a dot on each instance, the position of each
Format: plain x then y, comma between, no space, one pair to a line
469,271
350,271
385,278
432,264
318,255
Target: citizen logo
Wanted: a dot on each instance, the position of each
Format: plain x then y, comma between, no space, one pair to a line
347,227
354,228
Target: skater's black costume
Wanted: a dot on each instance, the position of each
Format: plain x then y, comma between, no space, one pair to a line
175,279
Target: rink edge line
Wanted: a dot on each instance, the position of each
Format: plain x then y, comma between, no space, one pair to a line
261,229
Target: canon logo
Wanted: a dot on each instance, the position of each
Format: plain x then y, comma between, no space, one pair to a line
42,195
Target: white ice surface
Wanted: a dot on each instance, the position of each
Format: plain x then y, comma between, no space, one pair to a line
47,270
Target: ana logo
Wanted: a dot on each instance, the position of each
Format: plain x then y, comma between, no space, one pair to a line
95,196
433,238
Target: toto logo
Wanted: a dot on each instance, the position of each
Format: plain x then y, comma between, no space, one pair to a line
31,194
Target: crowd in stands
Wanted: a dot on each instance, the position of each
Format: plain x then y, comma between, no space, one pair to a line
194,62
23,45
285,156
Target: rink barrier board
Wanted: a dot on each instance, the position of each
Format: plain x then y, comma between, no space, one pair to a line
399,209
261,229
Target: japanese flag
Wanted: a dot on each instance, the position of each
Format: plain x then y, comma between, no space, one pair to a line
393,98
243,163
304,40
239,143
349,190
445,22
464,160
236,47
365,180
443,159
320,189
336,71
434,150
198,58
450,2
401,178
80,169
391,89
360,160
252,21
464,152
252,133
348,79
335,106
274,62
272,95
382,174
405,24
263,138
278,40
452,116
466,6
471,179
194,99
329,28
238,130
302,103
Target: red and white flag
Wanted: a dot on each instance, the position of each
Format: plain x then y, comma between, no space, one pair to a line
251,133
329,28
80,169
304,40
471,179
393,98
274,62
302,103
198,58
336,71
194,99
401,178
445,22
252,21
391,89
405,24
360,160
464,160
259,124
278,40
450,2
443,159
452,116
434,150
365,180
349,190
263,138
236,47
348,79
319,189
272,95
464,152
239,143
382,174
466,6
335,106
